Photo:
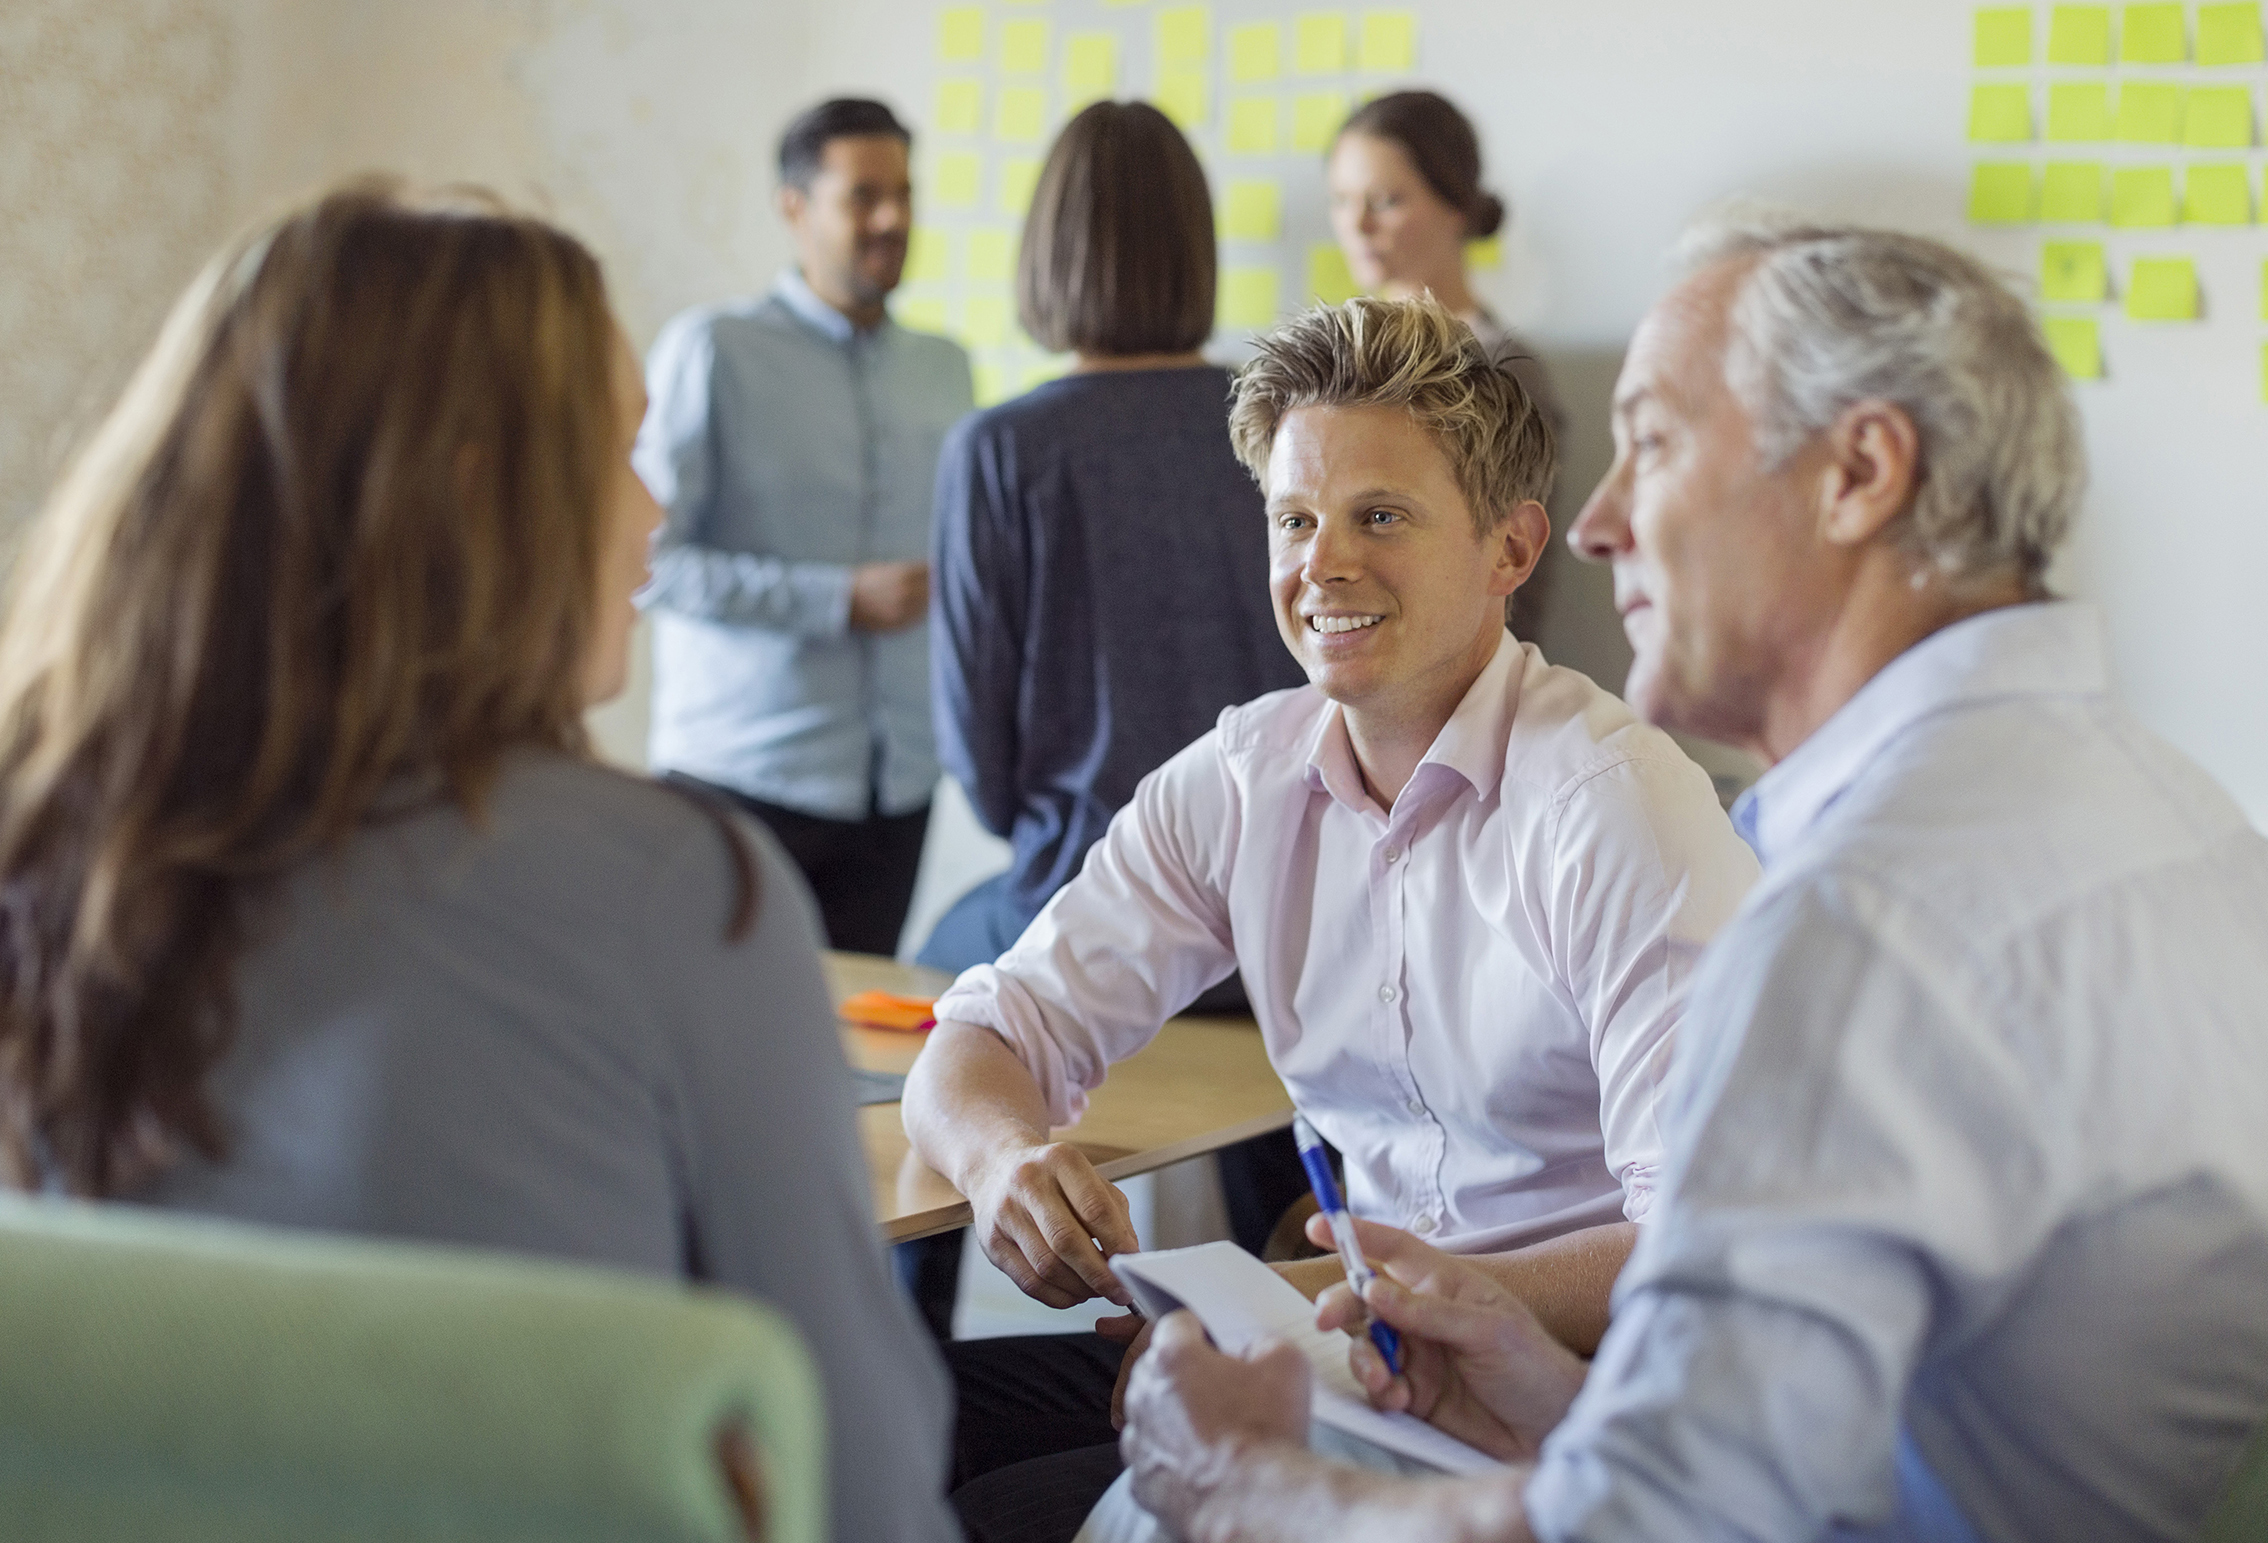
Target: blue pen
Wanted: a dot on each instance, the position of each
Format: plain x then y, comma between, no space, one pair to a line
1317,1161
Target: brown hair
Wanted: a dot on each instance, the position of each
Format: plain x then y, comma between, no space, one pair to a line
1442,146
1412,354
340,537
1117,256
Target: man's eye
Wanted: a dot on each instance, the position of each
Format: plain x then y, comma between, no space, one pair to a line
1381,516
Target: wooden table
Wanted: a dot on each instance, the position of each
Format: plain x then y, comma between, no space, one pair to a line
1202,1084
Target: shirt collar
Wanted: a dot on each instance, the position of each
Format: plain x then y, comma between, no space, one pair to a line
1471,743
816,313
2051,648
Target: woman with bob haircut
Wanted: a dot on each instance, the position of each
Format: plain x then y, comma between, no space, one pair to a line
316,908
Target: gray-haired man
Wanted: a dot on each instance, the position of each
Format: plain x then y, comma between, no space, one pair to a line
1965,1228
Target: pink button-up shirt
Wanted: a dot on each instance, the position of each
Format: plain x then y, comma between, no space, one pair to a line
1471,995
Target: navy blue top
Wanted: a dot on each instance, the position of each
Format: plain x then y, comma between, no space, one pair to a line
1101,593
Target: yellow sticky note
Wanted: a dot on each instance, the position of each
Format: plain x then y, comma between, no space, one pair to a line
929,255
2004,37
2000,114
1316,116
1022,116
991,256
2074,270
1185,96
1018,177
2071,193
1185,37
1256,52
2229,34
2264,291
2152,34
960,106
1252,125
1247,299
1048,367
1023,47
1389,43
2218,118
2079,34
1319,43
960,34
984,321
1328,278
2078,112
953,180
2218,193
2142,197
923,314
2000,193
2076,343
1253,211
1090,67
990,382
2162,289
2149,113
1488,252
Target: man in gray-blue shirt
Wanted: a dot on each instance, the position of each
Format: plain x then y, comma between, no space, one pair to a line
793,442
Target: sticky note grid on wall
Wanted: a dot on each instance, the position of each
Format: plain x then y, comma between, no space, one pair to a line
1259,90
2129,138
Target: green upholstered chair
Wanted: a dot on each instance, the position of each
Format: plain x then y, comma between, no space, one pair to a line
2242,1515
190,1381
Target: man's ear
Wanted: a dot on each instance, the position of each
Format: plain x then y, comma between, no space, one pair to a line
1873,466
1516,546
790,201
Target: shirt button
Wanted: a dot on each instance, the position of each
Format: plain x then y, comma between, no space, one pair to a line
1417,1106
1423,1226
1385,993
1393,854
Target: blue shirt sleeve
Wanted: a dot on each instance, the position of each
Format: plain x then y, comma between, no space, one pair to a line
978,617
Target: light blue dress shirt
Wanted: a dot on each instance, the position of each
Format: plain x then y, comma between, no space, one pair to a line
786,447
1965,1227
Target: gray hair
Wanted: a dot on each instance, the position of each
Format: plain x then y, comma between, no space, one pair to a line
1830,316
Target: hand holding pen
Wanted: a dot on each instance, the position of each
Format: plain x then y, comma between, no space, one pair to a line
1316,1159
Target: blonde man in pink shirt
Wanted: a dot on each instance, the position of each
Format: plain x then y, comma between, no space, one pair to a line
1465,887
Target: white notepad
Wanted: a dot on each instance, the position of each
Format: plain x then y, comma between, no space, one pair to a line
1239,1300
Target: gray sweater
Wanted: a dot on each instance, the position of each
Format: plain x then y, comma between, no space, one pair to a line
534,1036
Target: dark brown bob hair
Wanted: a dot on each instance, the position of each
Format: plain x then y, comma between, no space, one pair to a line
1441,144
1117,256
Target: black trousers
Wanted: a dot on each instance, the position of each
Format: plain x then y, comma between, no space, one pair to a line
860,871
1033,1448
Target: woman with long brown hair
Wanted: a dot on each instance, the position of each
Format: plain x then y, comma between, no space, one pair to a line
315,908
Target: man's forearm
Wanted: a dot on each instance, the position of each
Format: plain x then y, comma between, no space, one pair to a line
1567,1281
967,1099
1285,1494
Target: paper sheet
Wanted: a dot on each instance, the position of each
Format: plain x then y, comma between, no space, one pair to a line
2217,193
2077,345
1252,125
2079,34
2000,114
2000,193
2071,193
2162,289
2152,34
1252,211
2229,34
2142,197
2003,37
1328,278
1256,52
2079,112
1389,43
2218,118
1023,47
1319,43
2074,270
2149,113
1316,116
1248,298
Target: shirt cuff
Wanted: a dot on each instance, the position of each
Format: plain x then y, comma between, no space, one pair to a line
994,1001
823,593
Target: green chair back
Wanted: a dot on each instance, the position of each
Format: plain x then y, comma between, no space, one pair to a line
162,1377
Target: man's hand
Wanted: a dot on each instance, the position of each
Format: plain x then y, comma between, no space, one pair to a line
887,596
1192,1414
1476,1362
1050,1222
1311,1276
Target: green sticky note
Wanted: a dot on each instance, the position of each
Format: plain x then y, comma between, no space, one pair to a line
1389,43
2004,37
2076,343
960,34
1328,277
1252,125
960,106
1316,116
929,255
923,314
1023,47
1185,96
991,256
984,321
1255,51
2000,193
1488,252
2071,193
953,180
2079,112
2000,114
2162,289
2152,34
2079,34
2142,197
2219,118
1022,116
2229,34
1247,299
1253,211
2074,270
2149,113
1185,37
1018,177
1090,67
2218,193
1319,43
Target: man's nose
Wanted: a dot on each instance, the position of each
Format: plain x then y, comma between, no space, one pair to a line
1333,557
890,215
1602,531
